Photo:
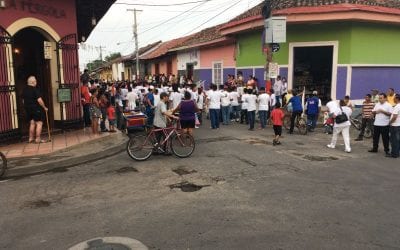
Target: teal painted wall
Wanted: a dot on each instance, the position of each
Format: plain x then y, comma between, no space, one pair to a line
317,32
375,44
249,52
359,43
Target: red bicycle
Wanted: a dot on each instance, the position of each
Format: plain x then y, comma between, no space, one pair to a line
141,147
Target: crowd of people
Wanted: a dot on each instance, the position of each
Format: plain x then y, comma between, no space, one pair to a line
237,101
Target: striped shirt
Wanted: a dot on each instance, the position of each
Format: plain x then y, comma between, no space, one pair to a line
367,109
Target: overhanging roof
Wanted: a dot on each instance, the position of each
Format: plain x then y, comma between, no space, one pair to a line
85,10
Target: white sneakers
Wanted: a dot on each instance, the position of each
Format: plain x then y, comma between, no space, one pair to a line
332,146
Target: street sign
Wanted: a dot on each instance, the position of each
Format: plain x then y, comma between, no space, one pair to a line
275,30
275,47
47,50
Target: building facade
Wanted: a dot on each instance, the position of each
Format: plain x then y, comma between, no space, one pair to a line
40,38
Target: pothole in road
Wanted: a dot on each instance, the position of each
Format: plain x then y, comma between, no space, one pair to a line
183,171
255,141
126,170
320,158
187,187
39,204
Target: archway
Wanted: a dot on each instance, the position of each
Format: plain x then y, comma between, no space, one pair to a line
29,59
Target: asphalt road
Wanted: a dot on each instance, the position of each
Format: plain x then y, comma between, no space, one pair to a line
247,194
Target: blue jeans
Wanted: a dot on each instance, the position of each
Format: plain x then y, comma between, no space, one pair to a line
214,117
312,121
225,114
235,112
395,140
252,116
263,117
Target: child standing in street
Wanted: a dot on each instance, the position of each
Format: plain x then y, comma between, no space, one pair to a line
111,117
277,120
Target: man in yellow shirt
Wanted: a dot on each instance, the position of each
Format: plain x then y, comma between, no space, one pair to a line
390,97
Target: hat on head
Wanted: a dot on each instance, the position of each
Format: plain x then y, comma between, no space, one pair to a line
315,92
151,87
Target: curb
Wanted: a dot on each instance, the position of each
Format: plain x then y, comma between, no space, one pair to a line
62,165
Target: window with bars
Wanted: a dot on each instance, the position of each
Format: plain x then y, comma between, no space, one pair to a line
217,73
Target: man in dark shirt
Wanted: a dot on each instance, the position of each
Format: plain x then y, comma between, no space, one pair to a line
34,107
297,109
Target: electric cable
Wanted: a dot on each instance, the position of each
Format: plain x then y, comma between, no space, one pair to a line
163,5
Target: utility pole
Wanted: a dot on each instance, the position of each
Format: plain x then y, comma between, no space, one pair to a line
101,52
135,34
267,12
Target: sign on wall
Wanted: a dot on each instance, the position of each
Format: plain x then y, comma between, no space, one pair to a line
47,50
64,95
273,70
275,30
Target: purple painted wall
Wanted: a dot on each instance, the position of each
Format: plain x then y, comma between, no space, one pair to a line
259,74
283,72
228,71
366,78
341,82
246,73
206,75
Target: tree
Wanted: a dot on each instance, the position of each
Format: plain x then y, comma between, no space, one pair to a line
94,65
112,56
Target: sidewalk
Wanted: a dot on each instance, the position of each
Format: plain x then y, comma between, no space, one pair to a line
65,150
58,142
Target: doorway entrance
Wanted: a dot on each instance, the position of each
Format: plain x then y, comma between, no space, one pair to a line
313,65
189,70
28,57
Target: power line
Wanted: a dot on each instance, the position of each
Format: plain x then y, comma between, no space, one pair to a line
163,5
231,6
169,19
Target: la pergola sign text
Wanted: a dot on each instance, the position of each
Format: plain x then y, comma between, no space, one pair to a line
37,8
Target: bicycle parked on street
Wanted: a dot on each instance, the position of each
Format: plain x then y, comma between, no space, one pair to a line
140,147
3,164
300,123
356,122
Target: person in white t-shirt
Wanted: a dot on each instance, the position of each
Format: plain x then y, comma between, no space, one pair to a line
343,127
243,112
175,97
234,96
200,104
225,106
251,100
263,107
382,111
395,128
132,97
214,102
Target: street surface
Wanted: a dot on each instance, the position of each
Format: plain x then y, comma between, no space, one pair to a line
247,194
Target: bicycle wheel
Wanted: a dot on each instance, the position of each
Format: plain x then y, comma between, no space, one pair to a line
182,145
356,123
286,122
302,126
139,147
368,132
3,164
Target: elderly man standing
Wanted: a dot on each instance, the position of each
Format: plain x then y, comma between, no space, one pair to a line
34,107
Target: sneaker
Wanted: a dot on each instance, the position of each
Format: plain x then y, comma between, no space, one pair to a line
274,142
330,146
373,151
347,150
196,127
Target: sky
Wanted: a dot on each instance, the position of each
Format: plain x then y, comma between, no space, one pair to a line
114,32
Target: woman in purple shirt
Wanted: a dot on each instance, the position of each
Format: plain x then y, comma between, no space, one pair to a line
187,109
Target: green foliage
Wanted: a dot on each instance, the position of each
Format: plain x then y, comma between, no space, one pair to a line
112,56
